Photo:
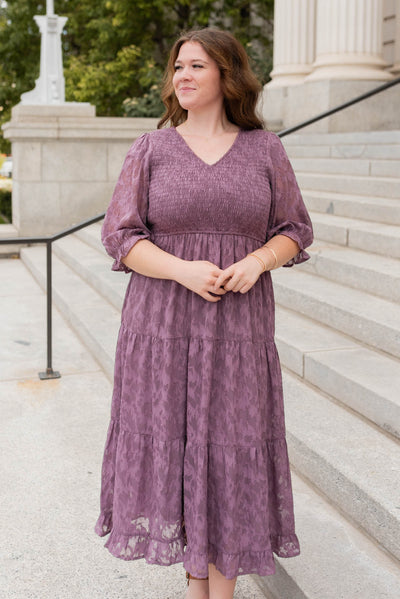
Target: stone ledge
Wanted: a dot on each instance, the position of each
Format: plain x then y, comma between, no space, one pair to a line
293,104
70,128
9,250
8,230
22,112
72,120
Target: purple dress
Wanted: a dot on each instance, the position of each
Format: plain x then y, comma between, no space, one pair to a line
195,467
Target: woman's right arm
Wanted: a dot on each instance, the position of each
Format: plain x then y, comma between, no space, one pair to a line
125,233
199,276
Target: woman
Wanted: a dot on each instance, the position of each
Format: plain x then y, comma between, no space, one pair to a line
195,466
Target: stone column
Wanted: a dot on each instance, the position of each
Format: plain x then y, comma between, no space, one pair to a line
294,25
396,66
349,41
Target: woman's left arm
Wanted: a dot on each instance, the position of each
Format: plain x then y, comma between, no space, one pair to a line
242,275
278,251
289,229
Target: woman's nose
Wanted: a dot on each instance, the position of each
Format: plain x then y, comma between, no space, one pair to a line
185,73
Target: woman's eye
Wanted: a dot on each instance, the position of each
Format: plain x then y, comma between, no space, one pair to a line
195,66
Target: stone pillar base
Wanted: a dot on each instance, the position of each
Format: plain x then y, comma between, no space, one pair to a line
288,106
66,163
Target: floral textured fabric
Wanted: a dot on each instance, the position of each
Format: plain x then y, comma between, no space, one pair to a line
195,467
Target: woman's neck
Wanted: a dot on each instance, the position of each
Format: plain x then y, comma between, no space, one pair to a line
207,124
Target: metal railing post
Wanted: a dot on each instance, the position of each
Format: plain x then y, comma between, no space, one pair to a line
49,373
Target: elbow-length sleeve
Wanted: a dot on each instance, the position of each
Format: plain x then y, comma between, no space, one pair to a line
288,214
125,220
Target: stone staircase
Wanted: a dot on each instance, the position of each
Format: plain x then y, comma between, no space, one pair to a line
338,336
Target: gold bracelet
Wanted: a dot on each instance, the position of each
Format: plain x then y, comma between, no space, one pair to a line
259,259
274,255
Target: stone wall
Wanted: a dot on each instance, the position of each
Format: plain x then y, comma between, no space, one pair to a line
66,163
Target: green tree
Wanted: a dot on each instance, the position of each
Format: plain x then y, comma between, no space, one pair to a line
115,51
19,51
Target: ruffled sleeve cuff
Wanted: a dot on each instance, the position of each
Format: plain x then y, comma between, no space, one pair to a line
301,233
123,250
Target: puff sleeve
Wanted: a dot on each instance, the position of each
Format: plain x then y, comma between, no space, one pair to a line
125,220
288,215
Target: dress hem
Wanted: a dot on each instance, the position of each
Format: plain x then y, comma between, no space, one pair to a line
229,564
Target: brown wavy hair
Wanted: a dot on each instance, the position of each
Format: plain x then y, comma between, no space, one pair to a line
240,87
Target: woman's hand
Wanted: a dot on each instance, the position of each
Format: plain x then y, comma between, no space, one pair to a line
200,276
241,275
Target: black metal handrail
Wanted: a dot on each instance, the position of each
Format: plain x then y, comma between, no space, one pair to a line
49,373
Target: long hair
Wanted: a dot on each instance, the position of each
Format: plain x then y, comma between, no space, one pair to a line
240,87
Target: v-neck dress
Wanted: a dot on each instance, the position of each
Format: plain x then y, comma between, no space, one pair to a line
195,468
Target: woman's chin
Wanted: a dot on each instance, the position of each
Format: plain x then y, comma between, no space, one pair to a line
186,105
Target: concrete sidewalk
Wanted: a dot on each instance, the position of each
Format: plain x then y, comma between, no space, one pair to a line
52,435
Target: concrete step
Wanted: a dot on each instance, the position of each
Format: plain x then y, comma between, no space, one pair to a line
385,187
369,319
347,166
92,236
362,151
306,151
362,379
368,151
378,238
379,275
8,251
385,168
336,560
348,460
94,266
94,320
364,208
342,166
339,140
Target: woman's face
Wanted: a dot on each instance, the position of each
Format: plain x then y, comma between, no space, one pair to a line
197,79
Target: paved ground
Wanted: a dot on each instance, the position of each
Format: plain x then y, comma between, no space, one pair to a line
52,435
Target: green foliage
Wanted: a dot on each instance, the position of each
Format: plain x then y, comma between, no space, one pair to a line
19,52
148,105
115,50
5,205
105,83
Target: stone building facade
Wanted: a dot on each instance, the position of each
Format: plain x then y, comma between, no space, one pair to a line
328,51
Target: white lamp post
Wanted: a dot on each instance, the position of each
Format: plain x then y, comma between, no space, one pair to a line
50,87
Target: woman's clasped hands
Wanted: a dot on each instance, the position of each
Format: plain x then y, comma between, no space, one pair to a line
210,282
